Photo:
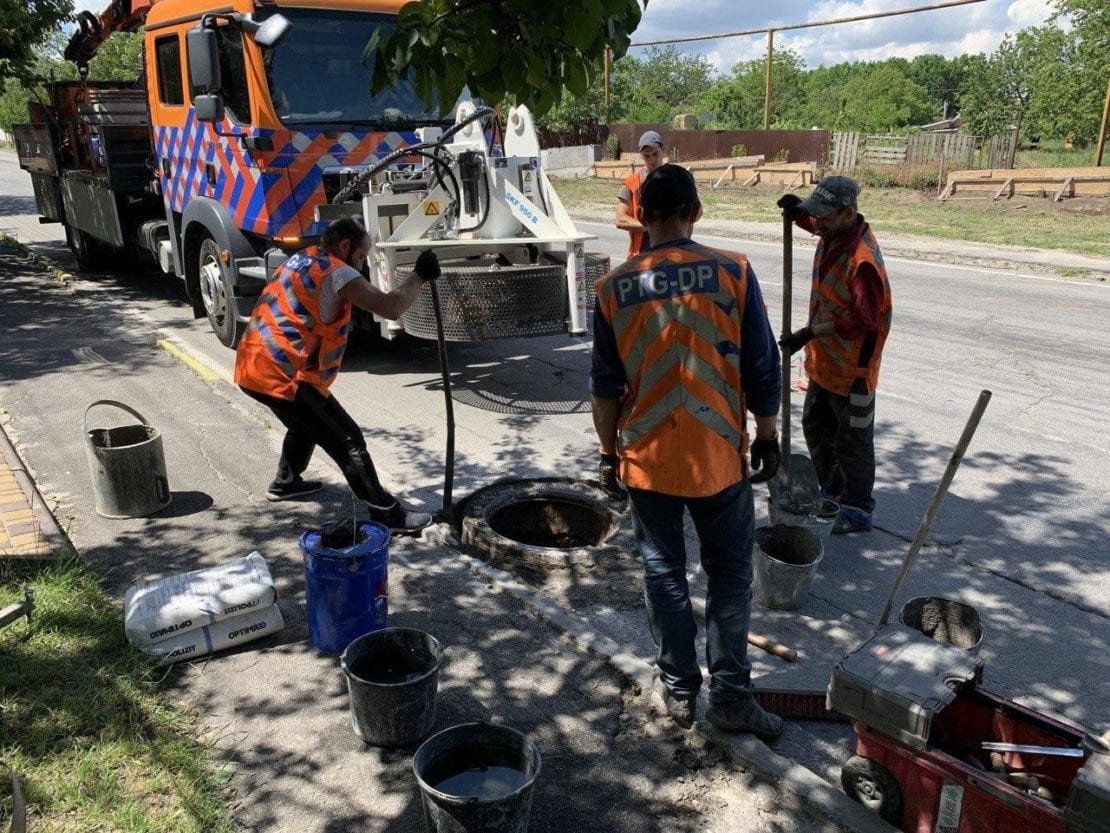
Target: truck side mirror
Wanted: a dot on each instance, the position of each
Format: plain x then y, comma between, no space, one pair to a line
209,107
204,58
272,31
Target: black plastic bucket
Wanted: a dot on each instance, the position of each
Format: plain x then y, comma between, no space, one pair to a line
477,778
945,620
392,679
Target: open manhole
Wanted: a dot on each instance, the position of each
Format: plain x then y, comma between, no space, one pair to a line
552,522
546,522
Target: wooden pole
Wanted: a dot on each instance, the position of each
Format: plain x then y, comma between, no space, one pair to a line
608,69
1102,127
767,90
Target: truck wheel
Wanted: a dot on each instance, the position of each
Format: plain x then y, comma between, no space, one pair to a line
89,252
216,294
873,786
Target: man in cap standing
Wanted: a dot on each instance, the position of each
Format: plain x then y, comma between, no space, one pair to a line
849,319
682,351
628,200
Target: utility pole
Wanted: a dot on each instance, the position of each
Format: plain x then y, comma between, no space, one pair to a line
1102,127
767,91
608,67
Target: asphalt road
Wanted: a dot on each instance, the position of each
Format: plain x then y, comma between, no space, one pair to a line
1022,534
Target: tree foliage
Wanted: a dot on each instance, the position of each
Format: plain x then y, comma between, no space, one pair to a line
883,99
525,50
27,25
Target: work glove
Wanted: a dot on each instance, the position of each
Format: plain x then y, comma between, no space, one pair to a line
765,459
427,266
791,205
796,340
607,475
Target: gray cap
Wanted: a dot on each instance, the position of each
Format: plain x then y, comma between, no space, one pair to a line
831,194
650,139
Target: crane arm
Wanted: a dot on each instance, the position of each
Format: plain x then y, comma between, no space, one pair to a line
93,30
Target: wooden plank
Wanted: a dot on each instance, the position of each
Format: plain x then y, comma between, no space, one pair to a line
1069,183
754,178
1009,183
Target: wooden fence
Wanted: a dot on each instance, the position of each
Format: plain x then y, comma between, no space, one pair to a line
850,148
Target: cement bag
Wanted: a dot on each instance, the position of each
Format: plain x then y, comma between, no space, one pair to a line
157,610
207,639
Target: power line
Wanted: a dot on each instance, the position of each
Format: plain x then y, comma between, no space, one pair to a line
766,29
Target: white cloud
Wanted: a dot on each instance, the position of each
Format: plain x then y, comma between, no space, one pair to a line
1026,13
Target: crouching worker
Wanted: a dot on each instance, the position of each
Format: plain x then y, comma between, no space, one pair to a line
291,354
682,350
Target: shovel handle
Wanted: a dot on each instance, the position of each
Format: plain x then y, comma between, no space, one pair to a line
787,301
938,496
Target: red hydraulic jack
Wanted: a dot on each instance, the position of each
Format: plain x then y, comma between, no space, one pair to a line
936,752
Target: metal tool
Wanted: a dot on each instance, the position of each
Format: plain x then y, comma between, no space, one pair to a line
20,609
445,372
934,505
795,488
1029,749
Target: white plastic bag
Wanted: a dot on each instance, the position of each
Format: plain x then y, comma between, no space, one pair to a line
155,611
208,639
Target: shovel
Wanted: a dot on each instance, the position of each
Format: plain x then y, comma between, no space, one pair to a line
795,488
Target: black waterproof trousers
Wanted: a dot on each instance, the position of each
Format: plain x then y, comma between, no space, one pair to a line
840,435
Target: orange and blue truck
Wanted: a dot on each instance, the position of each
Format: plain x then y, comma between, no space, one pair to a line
248,117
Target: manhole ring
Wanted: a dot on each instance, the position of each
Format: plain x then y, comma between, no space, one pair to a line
546,523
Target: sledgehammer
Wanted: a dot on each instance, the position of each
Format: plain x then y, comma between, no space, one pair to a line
758,640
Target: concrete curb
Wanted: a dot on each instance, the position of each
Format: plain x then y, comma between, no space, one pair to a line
59,274
53,536
746,750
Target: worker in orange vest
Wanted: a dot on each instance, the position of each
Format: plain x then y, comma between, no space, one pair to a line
682,351
628,200
291,354
850,312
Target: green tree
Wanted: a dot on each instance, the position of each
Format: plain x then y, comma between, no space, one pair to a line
525,50
120,58
883,99
738,100
997,100
659,85
27,26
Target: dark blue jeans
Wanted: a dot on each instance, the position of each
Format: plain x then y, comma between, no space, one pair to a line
724,523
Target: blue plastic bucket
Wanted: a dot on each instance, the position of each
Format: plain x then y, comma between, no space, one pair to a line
346,590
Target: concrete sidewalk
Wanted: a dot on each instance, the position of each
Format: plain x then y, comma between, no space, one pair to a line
275,711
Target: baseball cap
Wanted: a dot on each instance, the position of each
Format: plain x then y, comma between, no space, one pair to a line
668,187
831,194
650,139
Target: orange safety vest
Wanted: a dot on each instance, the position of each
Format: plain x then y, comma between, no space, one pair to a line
286,343
676,313
834,362
635,238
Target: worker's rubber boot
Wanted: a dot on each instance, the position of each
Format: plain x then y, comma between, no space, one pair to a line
851,520
399,519
682,710
746,716
298,488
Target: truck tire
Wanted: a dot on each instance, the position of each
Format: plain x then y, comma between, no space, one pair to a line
872,785
90,254
215,292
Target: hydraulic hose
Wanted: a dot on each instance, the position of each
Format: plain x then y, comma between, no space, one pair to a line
445,372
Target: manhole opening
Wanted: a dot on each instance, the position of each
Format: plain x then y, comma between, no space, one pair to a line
552,522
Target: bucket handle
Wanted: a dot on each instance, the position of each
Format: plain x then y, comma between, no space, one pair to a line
116,404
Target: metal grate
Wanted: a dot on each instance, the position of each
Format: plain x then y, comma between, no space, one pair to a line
481,303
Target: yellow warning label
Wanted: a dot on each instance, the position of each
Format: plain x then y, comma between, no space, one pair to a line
431,209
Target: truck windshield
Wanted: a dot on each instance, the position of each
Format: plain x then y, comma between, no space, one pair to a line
317,75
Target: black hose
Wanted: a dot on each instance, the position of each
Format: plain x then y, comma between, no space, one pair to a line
445,372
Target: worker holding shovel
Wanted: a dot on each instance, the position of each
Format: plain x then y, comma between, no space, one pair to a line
682,350
849,319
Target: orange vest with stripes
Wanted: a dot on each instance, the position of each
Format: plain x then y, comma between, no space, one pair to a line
286,343
834,362
676,313
635,238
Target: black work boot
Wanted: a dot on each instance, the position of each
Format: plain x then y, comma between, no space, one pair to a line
295,488
398,518
746,716
683,710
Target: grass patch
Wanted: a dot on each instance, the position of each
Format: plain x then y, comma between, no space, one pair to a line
1021,221
82,723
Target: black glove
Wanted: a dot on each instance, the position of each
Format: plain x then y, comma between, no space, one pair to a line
791,205
607,475
427,266
765,459
796,340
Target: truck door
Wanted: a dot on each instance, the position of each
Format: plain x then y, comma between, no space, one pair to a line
175,152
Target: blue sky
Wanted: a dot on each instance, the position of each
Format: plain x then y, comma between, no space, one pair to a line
978,27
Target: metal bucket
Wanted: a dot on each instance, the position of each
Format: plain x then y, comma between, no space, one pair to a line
944,620
821,523
784,561
127,466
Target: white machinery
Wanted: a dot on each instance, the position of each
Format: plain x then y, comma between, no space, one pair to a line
513,262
